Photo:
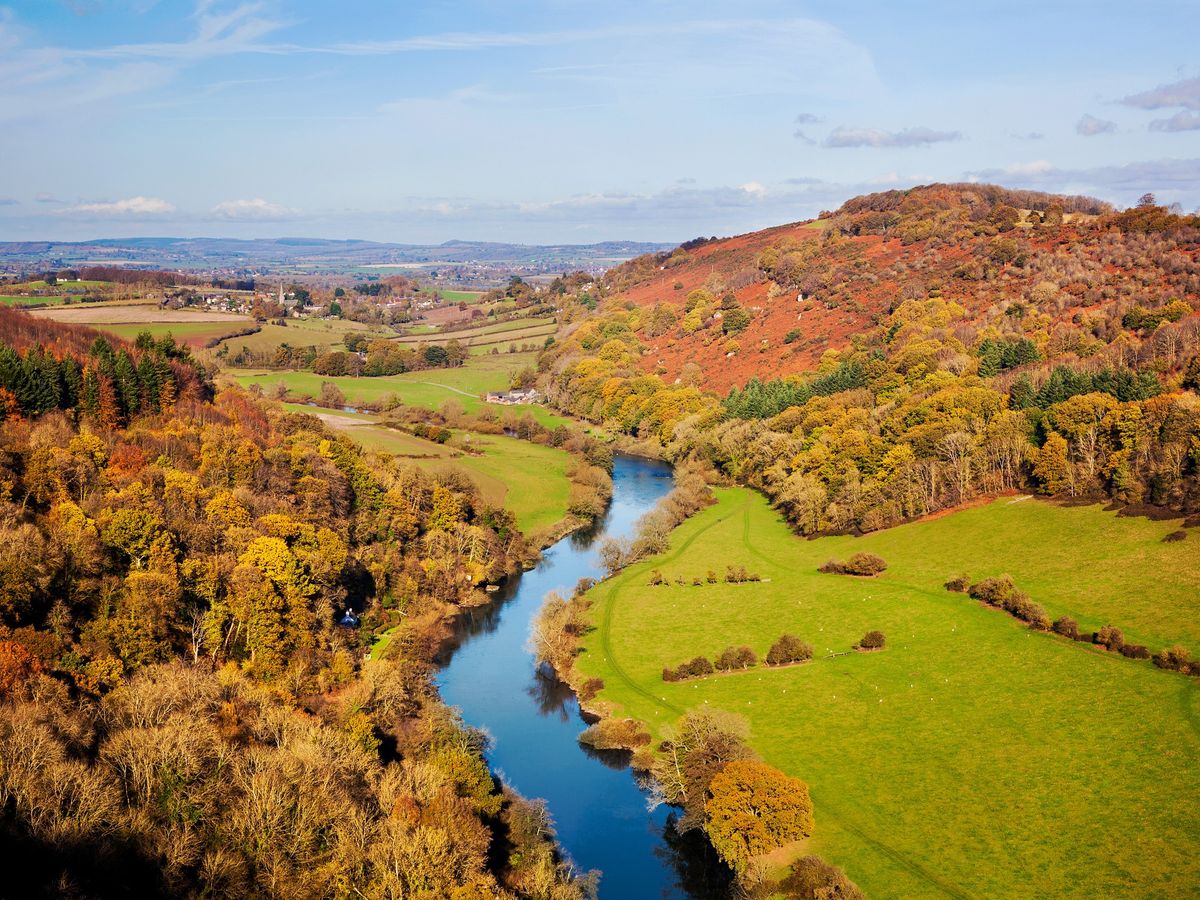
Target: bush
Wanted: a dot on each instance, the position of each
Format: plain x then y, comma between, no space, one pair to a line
693,668
656,578
872,640
812,877
615,734
712,577
788,649
959,584
739,575
1067,627
1110,636
1175,536
736,658
993,591
1173,658
861,564
1135,651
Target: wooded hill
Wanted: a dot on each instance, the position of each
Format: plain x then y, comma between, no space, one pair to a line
180,712
934,345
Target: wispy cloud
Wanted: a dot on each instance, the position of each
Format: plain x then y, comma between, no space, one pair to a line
1184,120
1090,126
257,209
843,136
1185,93
132,207
8,201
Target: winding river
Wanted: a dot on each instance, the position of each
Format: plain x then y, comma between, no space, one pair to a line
600,812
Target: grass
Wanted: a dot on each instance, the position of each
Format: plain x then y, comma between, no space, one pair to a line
31,301
495,332
429,389
328,334
194,333
972,757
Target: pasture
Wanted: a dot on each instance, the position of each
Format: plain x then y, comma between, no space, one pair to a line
972,757
430,388
7,300
325,334
188,326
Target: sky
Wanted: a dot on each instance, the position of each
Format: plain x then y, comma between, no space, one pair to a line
564,121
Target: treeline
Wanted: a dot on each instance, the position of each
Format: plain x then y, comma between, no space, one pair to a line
110,385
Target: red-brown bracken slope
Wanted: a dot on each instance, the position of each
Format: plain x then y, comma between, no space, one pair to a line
850,278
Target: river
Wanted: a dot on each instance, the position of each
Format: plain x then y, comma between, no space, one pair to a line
600,812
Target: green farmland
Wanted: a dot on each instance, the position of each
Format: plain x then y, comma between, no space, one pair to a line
430,388
972,757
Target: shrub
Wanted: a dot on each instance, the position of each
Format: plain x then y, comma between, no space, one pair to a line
1067,627
788,649
736,658
872,640
739,575
993,591
862,564
959,584
656,578
1135,651
1110,636
812,877
1173,658
1175,536
670,674
615,734
590,689
712,577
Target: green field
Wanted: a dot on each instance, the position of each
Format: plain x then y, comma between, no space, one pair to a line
31,301
430,388
60,286
972,757
512,331
328,334
529,479
194,333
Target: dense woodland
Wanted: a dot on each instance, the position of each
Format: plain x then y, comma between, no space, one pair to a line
180,712
1066,363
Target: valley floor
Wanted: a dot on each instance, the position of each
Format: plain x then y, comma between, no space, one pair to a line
973,757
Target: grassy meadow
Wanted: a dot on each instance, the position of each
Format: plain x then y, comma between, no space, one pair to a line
327,334
972,757
126,320
430,388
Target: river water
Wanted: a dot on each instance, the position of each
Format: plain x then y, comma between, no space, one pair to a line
600,812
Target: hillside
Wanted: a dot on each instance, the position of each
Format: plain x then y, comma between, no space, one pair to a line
1062,268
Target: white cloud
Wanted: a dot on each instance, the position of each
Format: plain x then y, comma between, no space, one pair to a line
257,208
755,188
132,207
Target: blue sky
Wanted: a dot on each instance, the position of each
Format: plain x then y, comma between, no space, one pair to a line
565,121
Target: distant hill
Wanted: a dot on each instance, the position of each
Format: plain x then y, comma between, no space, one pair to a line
796,291
312,254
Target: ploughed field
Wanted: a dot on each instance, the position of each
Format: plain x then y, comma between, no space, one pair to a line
972,757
